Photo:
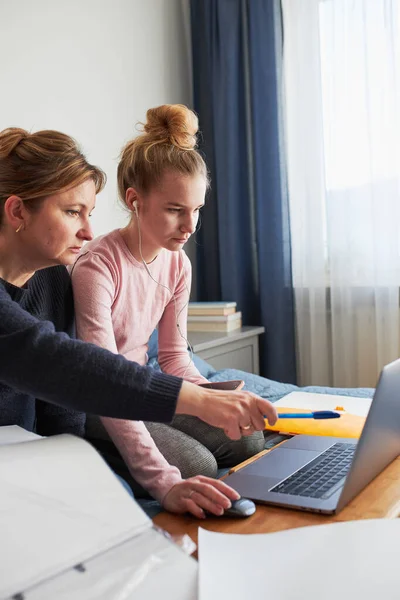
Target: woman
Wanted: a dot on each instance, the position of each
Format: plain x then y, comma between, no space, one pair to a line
47,193
132,280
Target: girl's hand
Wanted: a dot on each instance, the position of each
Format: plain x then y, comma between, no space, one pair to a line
238,413
200,493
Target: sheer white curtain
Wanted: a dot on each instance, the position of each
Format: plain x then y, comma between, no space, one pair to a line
342,75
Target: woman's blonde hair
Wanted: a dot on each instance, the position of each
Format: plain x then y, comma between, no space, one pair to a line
168,142
36,165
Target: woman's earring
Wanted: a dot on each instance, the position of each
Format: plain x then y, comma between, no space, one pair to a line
19,228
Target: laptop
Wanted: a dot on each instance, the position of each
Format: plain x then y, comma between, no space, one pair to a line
323,474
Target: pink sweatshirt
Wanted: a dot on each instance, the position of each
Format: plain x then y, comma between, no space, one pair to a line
118,306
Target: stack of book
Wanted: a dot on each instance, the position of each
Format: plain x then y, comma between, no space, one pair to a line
213,316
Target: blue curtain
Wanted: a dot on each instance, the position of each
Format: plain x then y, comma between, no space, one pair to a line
243,250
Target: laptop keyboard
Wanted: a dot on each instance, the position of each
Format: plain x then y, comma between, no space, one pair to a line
321,477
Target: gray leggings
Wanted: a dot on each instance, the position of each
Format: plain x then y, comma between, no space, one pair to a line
188,443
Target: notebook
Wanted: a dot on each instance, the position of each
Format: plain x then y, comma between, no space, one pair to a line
312,401
62,507
353,411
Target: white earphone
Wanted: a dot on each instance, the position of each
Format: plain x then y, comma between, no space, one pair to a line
177,315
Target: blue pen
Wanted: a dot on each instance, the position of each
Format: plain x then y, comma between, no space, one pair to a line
318,414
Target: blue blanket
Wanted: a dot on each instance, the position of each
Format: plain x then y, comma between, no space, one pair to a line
274,390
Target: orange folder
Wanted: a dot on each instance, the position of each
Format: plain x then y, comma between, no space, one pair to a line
348,426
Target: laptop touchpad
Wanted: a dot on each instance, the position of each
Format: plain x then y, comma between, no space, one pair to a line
281,462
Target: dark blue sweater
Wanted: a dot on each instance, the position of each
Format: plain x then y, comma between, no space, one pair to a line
38,362
47,296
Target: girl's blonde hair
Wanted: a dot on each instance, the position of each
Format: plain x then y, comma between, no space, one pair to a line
168,142
36,165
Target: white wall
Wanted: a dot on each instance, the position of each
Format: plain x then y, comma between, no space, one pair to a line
91,68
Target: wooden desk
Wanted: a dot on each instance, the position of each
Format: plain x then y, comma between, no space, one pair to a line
379,500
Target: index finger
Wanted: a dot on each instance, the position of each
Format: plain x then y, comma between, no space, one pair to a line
223,488
268,410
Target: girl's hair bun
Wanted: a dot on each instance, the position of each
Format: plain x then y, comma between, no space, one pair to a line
173,124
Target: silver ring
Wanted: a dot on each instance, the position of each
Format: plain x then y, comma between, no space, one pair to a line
246,427
191,493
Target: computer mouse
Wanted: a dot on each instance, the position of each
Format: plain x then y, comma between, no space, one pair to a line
241,508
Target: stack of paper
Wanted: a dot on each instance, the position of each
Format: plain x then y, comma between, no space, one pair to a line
61,506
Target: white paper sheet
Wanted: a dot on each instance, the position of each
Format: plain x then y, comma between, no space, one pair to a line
13,434
60,504
340,561
313,401
148,567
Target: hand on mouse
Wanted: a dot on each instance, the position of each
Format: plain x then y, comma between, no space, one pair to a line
199,494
